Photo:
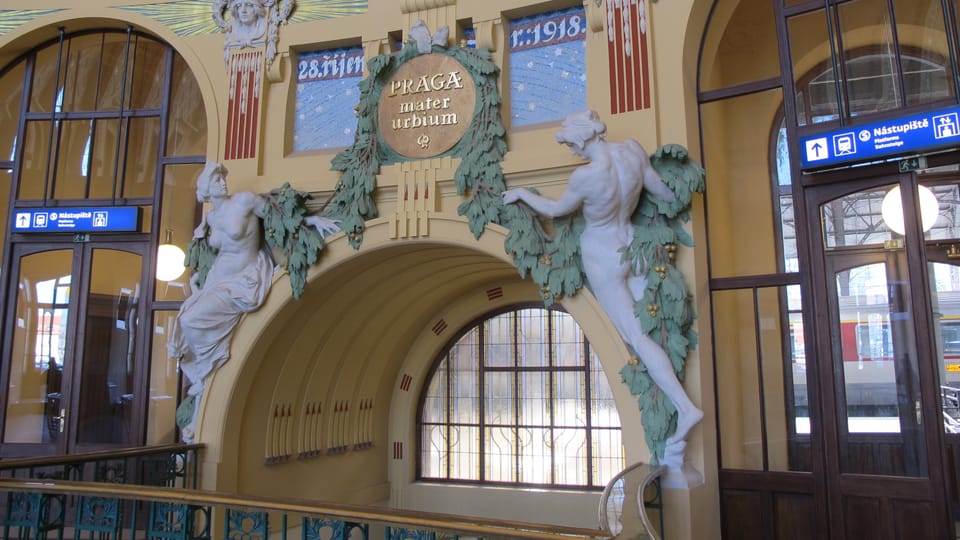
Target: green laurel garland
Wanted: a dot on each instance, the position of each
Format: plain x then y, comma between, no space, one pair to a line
666,310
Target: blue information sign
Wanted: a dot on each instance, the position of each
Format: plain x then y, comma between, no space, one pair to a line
108,219
898,136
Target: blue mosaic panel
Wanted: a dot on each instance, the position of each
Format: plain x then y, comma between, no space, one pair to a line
548,71
327,92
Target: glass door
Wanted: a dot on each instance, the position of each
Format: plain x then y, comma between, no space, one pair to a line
882,422
73,329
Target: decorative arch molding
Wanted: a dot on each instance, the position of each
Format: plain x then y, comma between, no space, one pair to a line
43,28
279,366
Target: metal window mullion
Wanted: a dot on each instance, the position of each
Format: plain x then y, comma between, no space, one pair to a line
837,60
760,392
897,60
448,423
588,387
515,333
122,136
48,177
551,395
481,350
953,42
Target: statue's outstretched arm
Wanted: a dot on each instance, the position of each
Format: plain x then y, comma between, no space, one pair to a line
568,203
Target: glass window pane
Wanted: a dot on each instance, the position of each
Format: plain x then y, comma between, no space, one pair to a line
535,402
498,399
435,401
141,157
11,94
73,159
607,451
33,163
83,63
740,212
738,401
500,455
548,76
498,349
568,340
603,408
872,82
856,220
570,453
147,78
783,383
735,30
464,452
164,379
433,453
47,83
880,431
107,386
810,47
534,456
187,131
570,403
533,337
177,223
464,386
103,157
37,349
115,52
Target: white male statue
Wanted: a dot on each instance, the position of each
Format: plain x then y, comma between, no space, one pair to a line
236,283
608,190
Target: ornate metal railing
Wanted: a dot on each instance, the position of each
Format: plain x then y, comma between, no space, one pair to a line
174,465
113,511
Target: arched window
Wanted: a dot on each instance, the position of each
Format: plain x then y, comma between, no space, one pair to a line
520,398
94,125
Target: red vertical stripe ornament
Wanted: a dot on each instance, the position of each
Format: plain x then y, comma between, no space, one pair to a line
627,52
243,110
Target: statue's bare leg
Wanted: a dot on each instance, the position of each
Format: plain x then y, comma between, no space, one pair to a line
617,301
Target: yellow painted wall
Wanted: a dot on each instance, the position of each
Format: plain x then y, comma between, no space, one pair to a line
365,319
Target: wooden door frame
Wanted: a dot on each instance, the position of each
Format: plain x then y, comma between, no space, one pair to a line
837,483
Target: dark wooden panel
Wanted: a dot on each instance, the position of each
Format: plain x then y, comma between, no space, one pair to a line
914,519
863,519
794,516
745,514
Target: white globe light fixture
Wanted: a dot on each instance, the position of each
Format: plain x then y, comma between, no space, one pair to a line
170,260
892,209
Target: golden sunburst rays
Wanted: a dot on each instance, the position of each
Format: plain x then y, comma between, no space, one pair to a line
10,19
315,10
185,18
194,17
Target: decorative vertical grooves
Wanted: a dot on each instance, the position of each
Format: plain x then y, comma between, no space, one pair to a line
279,433
439,327
397,450
494,293
243,109
364,425
339,428
405,382
310,432
417,197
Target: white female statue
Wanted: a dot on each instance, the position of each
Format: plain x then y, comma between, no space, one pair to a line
608,189
236,283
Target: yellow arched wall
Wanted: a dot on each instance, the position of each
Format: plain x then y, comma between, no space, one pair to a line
42,29
373,312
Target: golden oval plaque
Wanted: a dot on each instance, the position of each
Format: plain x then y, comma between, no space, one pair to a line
427,106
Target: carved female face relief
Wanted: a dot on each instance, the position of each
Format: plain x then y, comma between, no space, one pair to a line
248,11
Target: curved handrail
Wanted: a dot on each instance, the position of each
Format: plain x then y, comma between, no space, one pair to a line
648,474
70,459
466,525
